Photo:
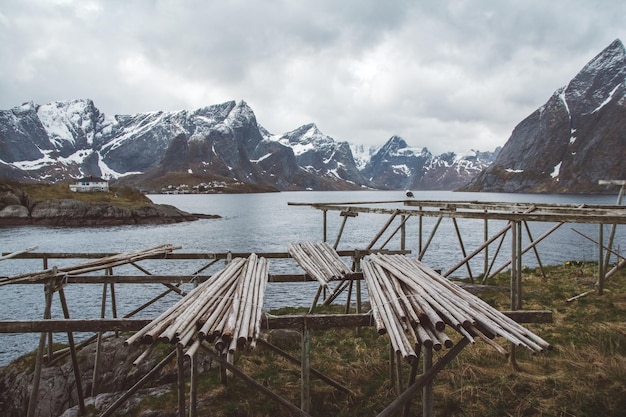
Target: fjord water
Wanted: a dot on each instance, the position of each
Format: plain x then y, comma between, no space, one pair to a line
260,223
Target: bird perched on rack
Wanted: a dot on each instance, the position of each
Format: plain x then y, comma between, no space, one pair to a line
409,194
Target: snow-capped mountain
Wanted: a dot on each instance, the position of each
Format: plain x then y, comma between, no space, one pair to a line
321,154
71,139
574,140
398,166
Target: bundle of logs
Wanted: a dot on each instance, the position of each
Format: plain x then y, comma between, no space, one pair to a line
410,299
98,264
225,310
320,261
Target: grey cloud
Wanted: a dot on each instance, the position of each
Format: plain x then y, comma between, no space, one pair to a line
446,75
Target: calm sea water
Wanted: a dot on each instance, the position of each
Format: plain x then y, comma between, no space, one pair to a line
258,223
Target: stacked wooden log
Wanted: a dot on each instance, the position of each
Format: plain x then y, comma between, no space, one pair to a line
410,299
94,265
225,310
320,261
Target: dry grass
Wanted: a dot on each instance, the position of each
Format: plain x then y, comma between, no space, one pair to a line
583,375
121,196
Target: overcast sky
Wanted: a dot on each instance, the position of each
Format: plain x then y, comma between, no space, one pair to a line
447,75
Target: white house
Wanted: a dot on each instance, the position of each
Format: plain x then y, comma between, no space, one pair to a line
90,184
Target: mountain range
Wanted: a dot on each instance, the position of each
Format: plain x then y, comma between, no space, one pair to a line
567,145
65,140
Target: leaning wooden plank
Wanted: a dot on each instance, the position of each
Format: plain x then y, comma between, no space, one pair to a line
95,265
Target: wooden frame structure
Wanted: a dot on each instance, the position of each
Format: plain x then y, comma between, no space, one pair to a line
55,279
517,215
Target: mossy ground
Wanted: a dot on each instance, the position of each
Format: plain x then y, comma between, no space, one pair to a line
583,375
121,196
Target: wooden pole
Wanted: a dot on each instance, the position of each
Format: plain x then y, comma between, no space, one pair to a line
427,391
514,286
462,246
180,362
313,371
420,230
600,259
485,237
305,372
109,411
530,237
484,246
70,340
193,388
382,230
430,238
343,224
34,394
495,256
519,267
264,390
399,382
613,229
403,232
427,377
96,365
528,247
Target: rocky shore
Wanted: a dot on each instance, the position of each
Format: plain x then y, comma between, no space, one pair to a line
18,208
67,212
57,393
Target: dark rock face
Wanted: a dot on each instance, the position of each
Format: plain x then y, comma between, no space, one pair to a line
576,139
57,391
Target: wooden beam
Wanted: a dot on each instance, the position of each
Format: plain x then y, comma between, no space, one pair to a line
289,321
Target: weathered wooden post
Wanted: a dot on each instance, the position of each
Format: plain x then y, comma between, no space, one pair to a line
32,402
485,239
193,386
600,259
427,391
305,373
403,232
180,362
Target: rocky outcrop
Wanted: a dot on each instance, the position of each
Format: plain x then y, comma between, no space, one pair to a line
57,391
17,209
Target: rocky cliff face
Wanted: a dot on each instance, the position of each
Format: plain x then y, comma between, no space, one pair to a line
574,140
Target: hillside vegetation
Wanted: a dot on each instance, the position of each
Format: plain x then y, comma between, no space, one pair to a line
122,196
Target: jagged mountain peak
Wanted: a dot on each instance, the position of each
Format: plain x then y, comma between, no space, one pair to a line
596,81
397,144
610,59
571,142
396,165
304,134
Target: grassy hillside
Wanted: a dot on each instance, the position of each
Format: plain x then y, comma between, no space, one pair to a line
583,375
122,196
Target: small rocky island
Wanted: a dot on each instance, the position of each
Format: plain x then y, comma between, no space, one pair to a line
57,205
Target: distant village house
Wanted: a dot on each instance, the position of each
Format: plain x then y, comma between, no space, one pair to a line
90,184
